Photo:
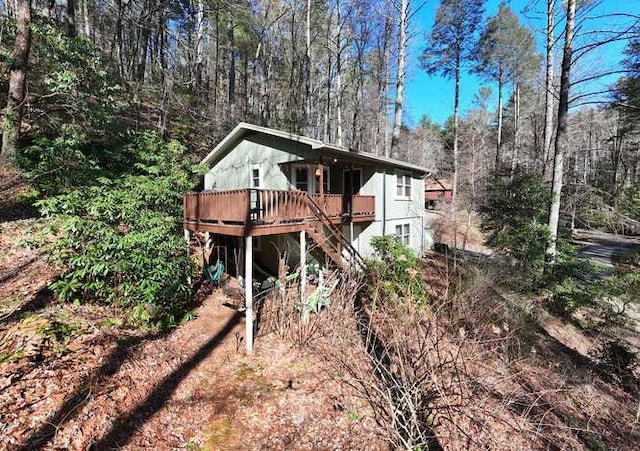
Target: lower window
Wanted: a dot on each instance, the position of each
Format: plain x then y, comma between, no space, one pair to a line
403,232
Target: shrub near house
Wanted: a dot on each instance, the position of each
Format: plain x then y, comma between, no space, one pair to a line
120,243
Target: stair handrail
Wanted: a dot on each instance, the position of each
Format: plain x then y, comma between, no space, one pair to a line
335,231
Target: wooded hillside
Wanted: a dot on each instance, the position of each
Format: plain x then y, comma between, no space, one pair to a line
532,341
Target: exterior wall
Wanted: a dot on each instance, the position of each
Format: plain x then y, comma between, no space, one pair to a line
233,171
392,211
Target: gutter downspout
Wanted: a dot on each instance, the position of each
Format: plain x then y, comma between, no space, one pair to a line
423,210
384,201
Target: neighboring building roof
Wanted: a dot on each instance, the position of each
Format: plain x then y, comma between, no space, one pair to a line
437,184
244,129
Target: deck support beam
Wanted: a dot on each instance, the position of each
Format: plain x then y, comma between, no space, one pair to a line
303,275
248,294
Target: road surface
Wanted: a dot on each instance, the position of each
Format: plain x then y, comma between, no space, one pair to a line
604,248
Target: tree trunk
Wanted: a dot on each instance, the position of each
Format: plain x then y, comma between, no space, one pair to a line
85,18
402,48
307,71
199,66
216,64
516,129
456,138
454,182
327,106
383,83
232,62
499,133
16,94
339,138
68,17
548,112
143,41
562,133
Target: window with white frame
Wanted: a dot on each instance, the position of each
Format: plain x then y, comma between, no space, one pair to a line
403,185
403,232
256,176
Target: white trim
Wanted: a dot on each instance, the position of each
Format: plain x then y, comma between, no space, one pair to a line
312,181
256,167
402,185
404,232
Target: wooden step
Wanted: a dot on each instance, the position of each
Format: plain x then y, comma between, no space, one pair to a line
327,246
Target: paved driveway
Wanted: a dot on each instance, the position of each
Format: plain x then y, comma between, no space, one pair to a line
604,248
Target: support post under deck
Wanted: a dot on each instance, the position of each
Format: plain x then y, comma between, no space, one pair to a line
248,294
303,275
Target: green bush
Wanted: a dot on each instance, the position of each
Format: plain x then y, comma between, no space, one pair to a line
119,238
77,88
617,360
573,281
514,213
629,204
395,275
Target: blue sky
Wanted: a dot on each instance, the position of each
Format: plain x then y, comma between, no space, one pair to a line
433,95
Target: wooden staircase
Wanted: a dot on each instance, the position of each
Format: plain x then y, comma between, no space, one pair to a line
331,239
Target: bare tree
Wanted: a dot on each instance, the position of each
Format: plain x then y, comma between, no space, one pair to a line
561,135
16,95
402,49
549,92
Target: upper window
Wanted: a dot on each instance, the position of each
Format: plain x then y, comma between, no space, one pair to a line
403,185
256,176
403,232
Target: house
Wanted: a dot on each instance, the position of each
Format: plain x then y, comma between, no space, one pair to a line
437,190
269,192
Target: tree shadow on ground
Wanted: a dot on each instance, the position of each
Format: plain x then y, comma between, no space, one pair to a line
16,212
116,359
552,409
384,370
71,406
37,302
125,426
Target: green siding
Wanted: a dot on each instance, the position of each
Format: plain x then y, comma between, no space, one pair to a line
233,171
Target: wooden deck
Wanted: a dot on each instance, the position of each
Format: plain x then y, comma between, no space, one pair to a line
255,212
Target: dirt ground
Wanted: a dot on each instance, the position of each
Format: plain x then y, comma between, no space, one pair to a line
193,388
75,377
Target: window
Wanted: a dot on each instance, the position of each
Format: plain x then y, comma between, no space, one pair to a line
301,178
403,185
256,176
403,232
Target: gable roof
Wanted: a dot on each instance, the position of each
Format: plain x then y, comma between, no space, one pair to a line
244,129
437,184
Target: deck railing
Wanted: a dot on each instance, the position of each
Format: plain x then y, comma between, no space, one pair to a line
262,206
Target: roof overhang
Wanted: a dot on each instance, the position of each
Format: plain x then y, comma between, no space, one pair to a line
243,130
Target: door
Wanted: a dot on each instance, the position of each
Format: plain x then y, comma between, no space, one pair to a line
351,186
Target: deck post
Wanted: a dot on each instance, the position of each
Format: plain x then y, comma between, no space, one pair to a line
187,238
248,295
303,274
